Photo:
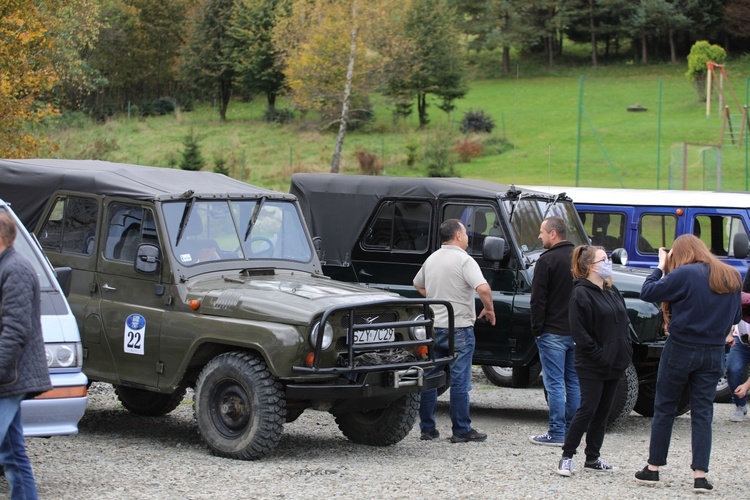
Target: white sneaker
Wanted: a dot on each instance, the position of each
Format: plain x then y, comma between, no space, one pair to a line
739,414
565,467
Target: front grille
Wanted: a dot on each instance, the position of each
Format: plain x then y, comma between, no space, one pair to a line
370,319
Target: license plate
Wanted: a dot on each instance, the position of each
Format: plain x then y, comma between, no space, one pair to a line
374,335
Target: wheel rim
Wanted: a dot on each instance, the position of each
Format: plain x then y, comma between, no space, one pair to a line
231,408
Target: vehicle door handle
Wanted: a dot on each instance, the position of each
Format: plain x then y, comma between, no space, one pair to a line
362,272
108,288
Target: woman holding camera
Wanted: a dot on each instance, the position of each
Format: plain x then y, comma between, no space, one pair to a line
700,298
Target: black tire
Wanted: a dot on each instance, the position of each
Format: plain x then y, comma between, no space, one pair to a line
239,406
149,403
519,377
625,397
381,427
647,396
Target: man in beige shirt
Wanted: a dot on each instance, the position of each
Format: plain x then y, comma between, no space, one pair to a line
452,274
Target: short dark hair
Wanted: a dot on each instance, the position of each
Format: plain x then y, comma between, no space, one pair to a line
448,230
8,229
556,224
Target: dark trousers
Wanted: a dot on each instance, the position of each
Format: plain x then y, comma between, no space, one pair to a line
698,367
591,417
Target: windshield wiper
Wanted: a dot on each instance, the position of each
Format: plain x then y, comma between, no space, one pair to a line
185,217
551,204
254,218
513,207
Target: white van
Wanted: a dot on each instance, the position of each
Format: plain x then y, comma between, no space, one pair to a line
58,411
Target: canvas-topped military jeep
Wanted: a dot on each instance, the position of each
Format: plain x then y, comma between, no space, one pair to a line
191,279
377,231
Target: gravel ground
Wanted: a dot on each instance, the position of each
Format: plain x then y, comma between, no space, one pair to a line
123,456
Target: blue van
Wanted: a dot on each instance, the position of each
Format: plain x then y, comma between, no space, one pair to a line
642,220
55,412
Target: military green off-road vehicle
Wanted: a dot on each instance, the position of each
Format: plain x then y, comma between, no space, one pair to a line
191,279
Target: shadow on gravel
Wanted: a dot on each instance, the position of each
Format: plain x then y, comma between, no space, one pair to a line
165,430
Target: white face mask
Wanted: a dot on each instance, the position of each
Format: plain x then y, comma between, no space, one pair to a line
605,269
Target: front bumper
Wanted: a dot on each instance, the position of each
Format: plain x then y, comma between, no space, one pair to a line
46,416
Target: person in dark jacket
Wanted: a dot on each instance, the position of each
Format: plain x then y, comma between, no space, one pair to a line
700,297
23,365
599,325
550,292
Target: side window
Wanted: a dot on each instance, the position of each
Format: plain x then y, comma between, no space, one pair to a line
654,231
128,226
717,232
606,229
480,221
71,226
400,226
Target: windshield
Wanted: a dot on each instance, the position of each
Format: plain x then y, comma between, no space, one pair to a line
235,230
528,214
24,246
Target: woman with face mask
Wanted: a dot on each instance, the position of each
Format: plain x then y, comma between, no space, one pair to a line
599,324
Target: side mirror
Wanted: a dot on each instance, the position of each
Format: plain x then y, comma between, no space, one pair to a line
147,259
64,275
620,256
493,249
740,245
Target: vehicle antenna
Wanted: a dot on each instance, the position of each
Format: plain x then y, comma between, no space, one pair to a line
515,128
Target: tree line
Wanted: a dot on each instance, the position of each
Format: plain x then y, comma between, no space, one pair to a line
145,56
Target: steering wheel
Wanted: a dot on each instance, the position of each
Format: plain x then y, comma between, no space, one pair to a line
259,247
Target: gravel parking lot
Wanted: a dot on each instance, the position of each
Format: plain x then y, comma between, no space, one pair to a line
123,456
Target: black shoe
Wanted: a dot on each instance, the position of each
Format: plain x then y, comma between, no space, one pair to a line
701,485
429,435
472,435
647,476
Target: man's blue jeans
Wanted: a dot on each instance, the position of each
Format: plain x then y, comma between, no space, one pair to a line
698,367
460,381
13,451
738,358
557,354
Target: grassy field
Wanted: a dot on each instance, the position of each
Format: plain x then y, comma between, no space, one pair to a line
537,115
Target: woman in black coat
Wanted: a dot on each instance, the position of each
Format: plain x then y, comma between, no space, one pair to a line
599,324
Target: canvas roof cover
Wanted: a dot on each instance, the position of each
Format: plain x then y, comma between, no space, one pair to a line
346,202
28,184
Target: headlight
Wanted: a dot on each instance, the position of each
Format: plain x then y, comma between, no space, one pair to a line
418,332
63,355
327,335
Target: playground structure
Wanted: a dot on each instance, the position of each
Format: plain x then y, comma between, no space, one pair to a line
730,122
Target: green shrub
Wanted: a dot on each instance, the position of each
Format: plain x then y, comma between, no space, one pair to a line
277,115
701,53
221,166
191,155
440,158
411,154
477,121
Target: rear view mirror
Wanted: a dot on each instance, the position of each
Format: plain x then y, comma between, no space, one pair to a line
147,259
